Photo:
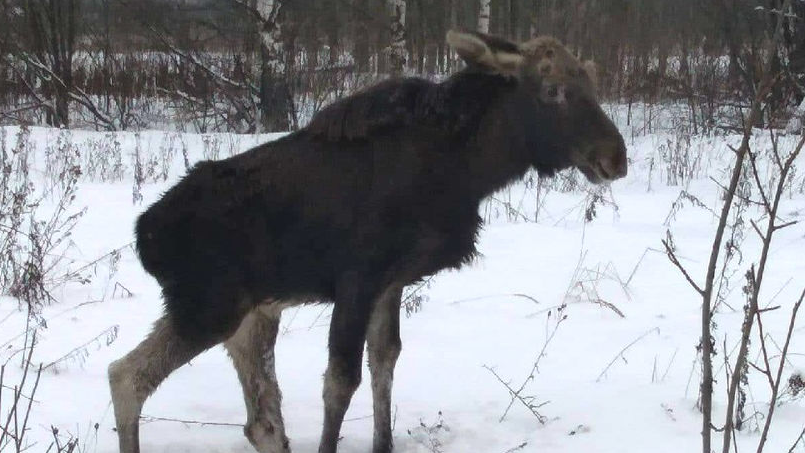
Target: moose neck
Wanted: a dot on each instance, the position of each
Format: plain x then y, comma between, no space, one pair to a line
506,132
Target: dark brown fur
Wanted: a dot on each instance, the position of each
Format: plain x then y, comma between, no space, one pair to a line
380,190
374,183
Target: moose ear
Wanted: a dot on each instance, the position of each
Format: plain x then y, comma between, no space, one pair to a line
493,54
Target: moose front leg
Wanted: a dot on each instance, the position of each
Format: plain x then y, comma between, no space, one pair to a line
383,345
252,352
347,336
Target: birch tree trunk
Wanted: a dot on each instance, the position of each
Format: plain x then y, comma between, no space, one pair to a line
483,16
397,51
275,98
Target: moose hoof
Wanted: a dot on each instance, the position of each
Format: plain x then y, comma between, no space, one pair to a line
266,439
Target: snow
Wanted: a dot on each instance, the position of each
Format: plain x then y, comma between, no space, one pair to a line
601,397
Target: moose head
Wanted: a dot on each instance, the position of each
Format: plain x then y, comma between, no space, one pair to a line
550,80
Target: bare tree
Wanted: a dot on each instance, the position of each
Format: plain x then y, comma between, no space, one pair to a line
254,79
766,61
52,28
483,16
398,55
276,103
771,205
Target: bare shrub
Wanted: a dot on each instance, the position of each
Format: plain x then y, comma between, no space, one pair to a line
20,396
79,354
598,196
16,206
506,205
62,443
139,172
413,296
585,287
33,240
211,146
47,240
681,158
103,159
683,200
532,403
430,435
768,184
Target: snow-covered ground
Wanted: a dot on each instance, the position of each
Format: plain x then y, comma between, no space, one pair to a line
619,373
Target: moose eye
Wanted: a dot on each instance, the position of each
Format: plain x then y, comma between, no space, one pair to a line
552,93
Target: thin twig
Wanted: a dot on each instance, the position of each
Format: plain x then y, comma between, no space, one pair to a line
516,395
527,402
517,448
491,296
776,382
796,442
672,256
622,351
109,332
150,419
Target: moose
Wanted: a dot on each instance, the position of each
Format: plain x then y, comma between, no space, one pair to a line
381,189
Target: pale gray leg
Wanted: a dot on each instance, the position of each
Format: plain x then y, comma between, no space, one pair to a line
252,352
383,344
134,377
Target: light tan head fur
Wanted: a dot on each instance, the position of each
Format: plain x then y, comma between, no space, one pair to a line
482,50
543,56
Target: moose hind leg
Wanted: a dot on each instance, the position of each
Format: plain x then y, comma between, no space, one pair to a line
383,345
252,352
134,377
346,339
